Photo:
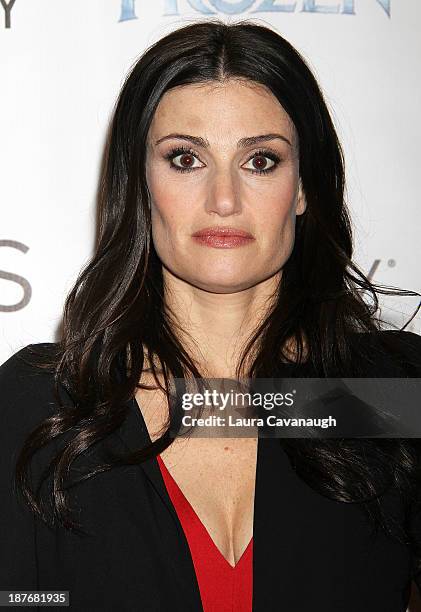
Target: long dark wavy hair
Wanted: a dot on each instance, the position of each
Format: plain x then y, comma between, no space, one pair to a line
115,312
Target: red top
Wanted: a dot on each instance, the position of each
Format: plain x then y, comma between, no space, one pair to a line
223,588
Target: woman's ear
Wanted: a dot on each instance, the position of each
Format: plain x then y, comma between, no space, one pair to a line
301,200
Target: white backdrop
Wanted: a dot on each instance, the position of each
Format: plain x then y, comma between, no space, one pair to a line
62,65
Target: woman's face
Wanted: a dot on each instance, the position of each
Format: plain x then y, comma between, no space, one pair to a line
218,179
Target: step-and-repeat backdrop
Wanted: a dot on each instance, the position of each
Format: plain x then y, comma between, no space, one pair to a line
62,65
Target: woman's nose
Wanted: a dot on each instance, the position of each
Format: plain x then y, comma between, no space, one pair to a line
223,195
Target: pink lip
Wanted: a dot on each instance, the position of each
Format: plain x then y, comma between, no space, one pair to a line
222,237
222,231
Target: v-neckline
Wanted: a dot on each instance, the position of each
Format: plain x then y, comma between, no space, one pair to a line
196,516
153,472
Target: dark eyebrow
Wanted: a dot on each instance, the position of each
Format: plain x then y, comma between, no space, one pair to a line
248,141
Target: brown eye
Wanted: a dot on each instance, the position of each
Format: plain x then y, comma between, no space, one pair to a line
263,162
186,159
185,162
182,159
259,162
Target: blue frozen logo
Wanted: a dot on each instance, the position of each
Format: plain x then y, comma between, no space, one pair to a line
346,7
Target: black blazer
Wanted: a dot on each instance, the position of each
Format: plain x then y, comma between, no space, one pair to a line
310,553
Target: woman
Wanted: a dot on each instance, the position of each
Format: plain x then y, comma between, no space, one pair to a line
224,251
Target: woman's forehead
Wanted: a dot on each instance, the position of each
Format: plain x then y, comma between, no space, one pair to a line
230,109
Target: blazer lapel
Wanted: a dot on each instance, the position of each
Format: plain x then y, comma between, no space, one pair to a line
134,435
